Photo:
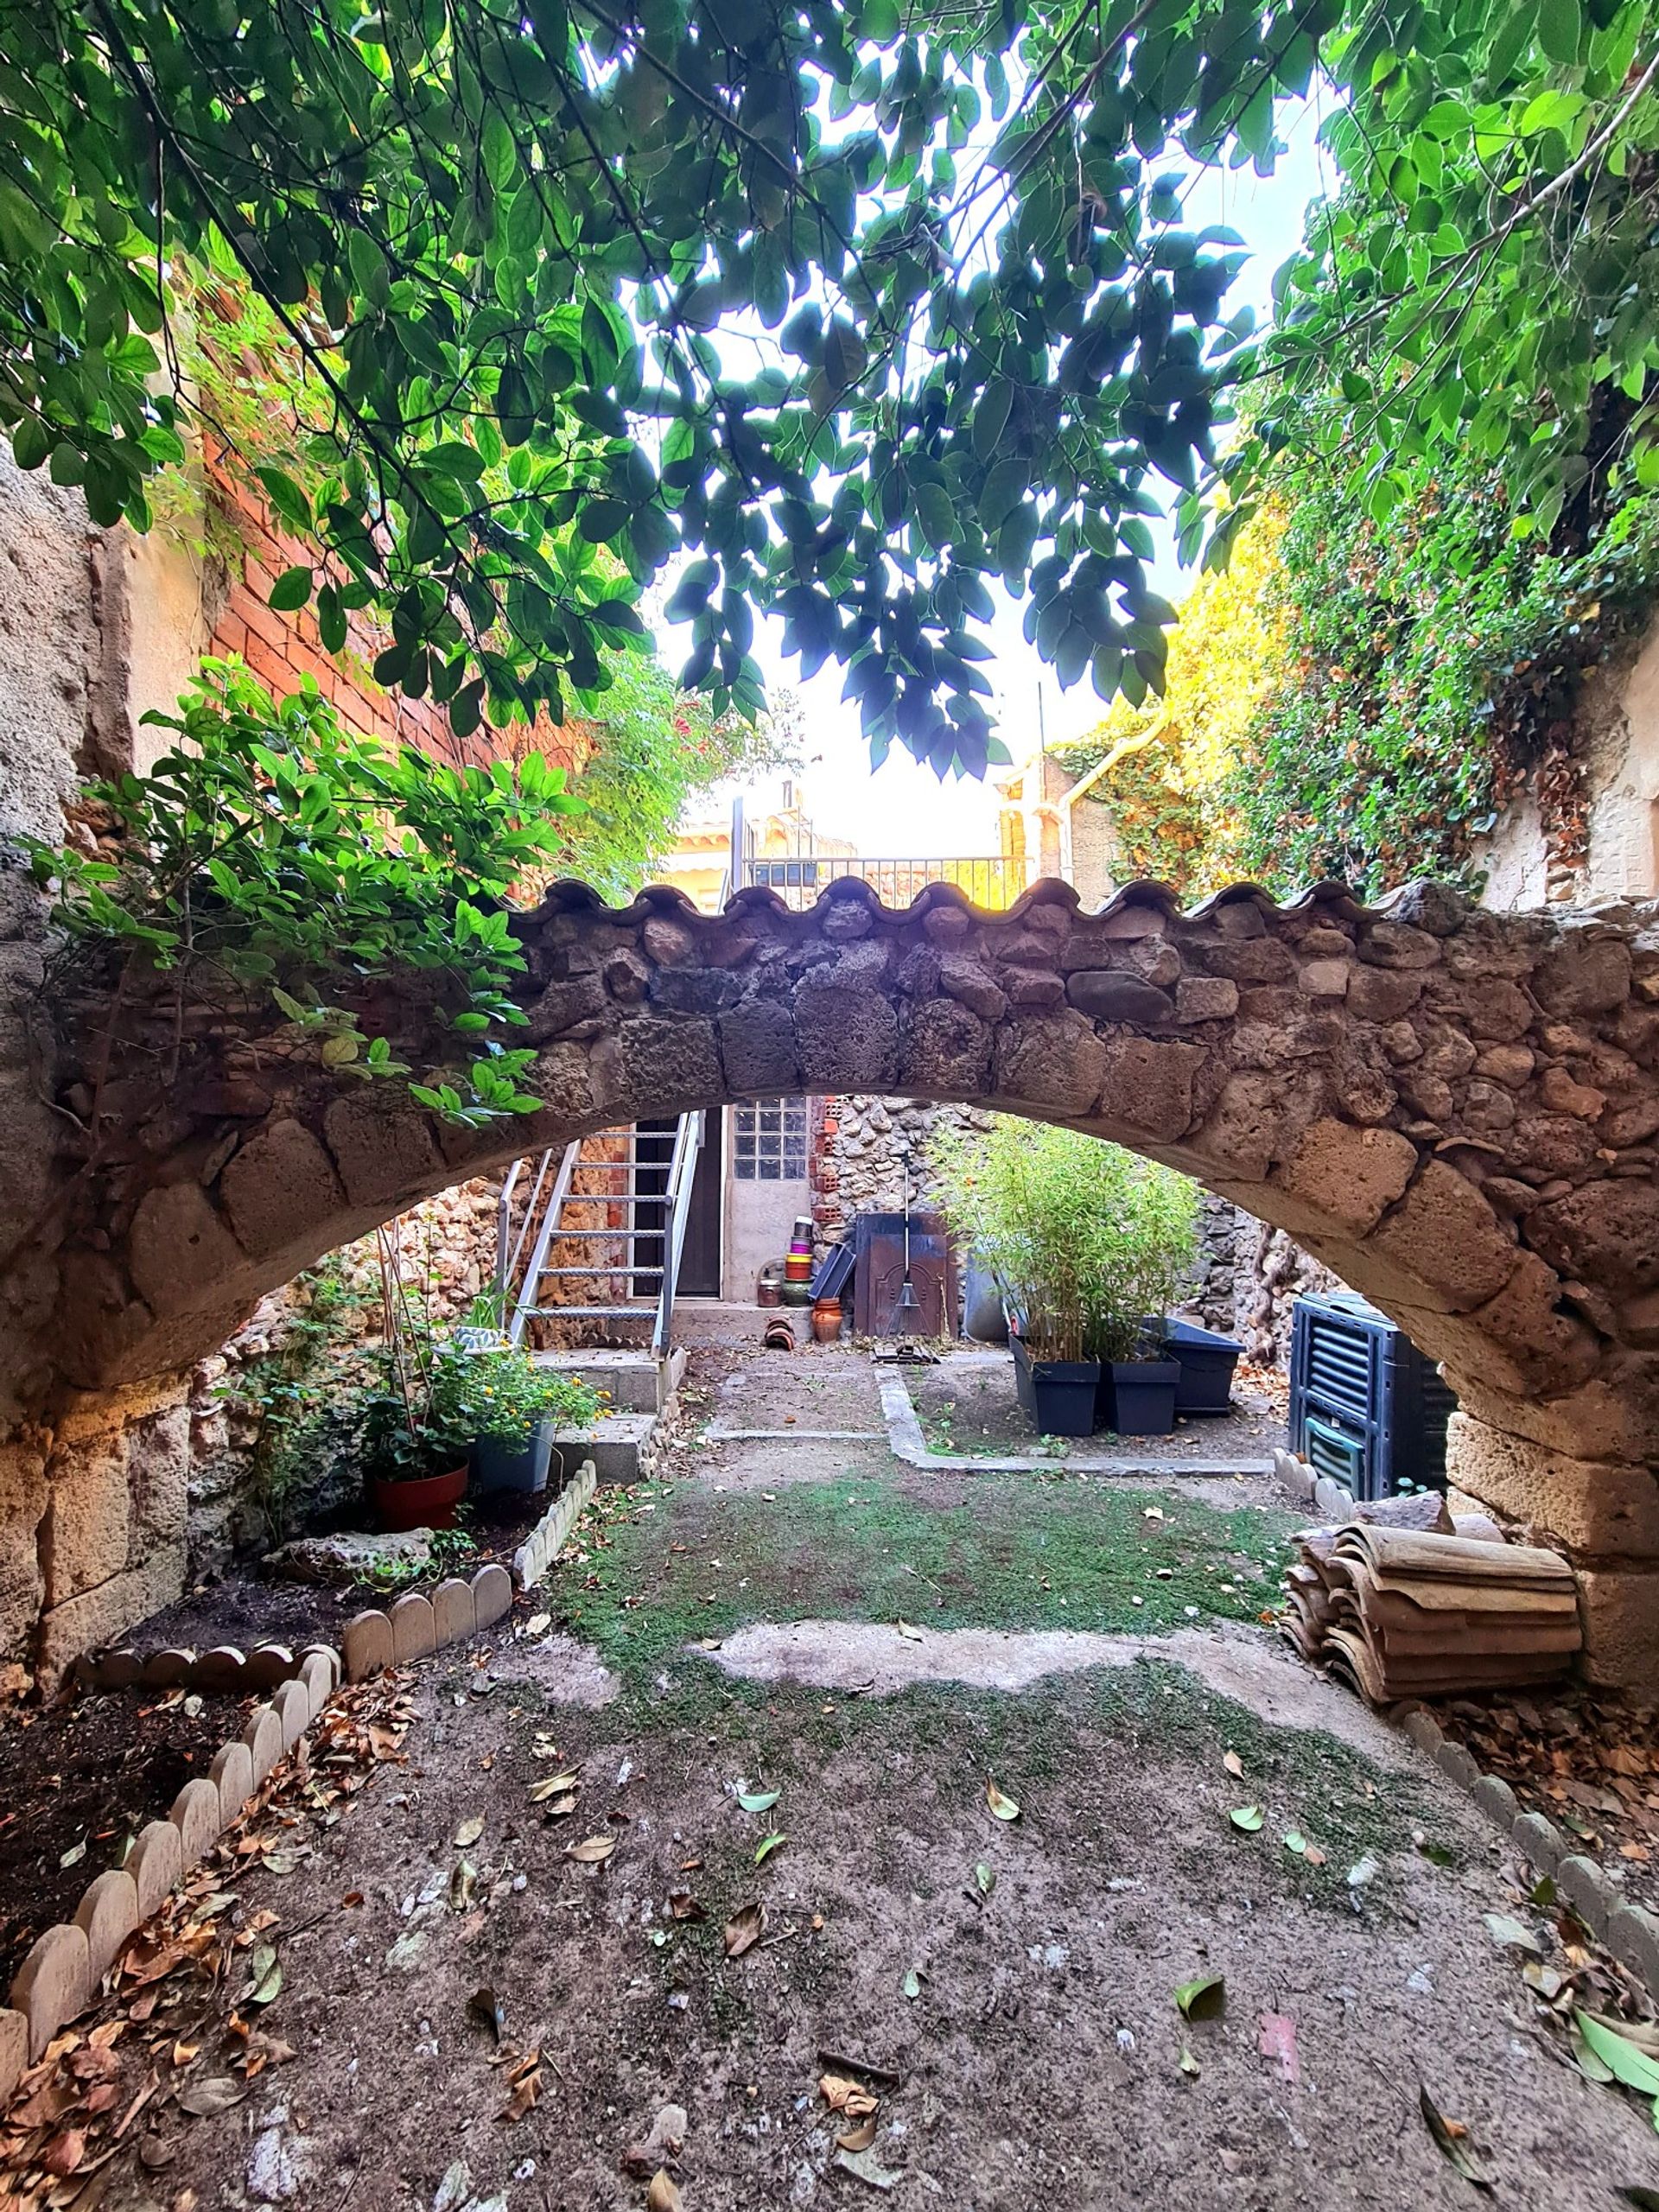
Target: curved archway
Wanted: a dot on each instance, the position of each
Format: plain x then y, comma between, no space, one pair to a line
1455,1111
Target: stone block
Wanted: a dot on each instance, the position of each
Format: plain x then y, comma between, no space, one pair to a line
665,1065
158,1473
169,1668
845,1039
1053,1062
1206,998
14,2052
1455,1763
84,1542
452,1616
23,1498
178,1245
365,1646
384,1153
275,1186
1442,1247
1495,1797
1425,1731
1606,1233
107,1915
155,1864
99,1616
267,1665
492,1594
1595,1508
944,1049
1539,1839
1619,1614
414,1631
292,1707
1632,1936
1346,1177
1581,1883
975,987
1148,1087
756,1047
1382,995
232,1774
317,1678
1110,995
195,1814
53,1985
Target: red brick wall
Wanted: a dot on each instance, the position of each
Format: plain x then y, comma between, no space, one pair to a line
824,1177
280,648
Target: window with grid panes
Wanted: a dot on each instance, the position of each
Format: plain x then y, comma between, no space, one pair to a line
769,1140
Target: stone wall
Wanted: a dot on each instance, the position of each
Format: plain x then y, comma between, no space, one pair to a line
1248,1278
859,1165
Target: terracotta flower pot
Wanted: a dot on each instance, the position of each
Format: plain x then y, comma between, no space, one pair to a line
427,1502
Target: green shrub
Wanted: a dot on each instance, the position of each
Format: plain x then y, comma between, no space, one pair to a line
1084,1238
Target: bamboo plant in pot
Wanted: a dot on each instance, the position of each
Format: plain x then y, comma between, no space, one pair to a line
1084,1239
1148,1217
413,1425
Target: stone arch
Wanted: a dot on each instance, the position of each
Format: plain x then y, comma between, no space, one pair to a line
1454,1109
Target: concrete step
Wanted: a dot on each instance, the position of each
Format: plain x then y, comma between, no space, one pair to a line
617,1445
634,1382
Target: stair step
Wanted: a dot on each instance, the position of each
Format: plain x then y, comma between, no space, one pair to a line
593,1313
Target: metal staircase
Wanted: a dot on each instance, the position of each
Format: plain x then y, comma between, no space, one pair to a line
607,1217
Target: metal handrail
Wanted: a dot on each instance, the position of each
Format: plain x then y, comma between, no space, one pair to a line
688,1143
506,1262
529,1283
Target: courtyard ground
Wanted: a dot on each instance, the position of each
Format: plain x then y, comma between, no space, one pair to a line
500,1986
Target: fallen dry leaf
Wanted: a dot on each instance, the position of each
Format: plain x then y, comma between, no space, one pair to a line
848,2097
591,1850
469,1831
682,1905
743,1930
1004,1808
1234,1765
663,2194
859,2138
553,1785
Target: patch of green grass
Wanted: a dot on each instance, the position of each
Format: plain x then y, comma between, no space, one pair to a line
1019,1553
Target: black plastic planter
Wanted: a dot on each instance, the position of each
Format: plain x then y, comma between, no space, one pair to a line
1206,1362
1057,1396
1137,1396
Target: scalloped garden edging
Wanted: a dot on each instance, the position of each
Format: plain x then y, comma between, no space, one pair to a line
552,1532
65,1968
1630,1931
62,1972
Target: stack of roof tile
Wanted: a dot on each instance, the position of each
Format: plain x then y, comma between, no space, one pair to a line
1406,1612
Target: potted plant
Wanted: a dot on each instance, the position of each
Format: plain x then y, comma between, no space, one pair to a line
1084,1240
1206,1360
415,1454
1018,1196
1147,1219
512,1408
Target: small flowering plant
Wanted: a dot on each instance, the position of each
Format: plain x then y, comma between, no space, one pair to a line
500,1392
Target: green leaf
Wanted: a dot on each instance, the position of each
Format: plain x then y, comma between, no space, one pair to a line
1560,27
1450,2148
291,590
1622,2060
767,1845
1248,1817
1203,1998
758,1801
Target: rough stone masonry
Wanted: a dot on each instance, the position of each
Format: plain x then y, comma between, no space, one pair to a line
1456,1110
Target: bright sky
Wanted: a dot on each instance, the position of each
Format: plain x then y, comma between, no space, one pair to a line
902,808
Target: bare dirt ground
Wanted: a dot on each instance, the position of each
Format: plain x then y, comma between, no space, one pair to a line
1004,1989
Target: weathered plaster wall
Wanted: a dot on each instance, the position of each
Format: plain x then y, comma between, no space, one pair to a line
1622,855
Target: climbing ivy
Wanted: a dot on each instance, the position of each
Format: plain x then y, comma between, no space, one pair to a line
1357,700
274,853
